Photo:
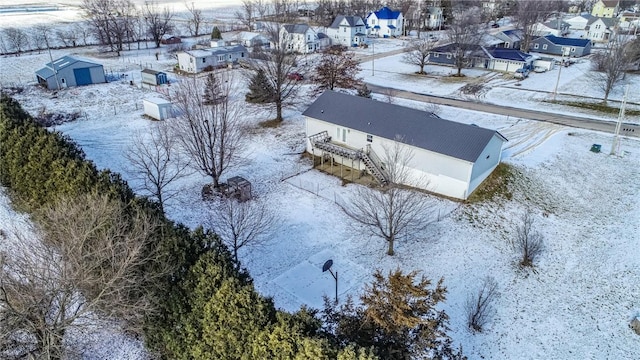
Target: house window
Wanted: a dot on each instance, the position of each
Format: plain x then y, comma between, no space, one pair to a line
448,56
506,45
230,57
544,46
573,49
191,60
535,46
220,57
369,138
204,60
344,29
436,55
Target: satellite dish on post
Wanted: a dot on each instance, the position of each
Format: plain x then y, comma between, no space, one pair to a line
327,265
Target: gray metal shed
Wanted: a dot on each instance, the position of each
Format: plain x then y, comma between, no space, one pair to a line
70,71
153,77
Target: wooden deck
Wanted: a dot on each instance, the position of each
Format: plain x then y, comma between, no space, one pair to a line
344,172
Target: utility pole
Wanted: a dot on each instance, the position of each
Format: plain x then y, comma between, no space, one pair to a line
373,58
53,66
616,138
555,89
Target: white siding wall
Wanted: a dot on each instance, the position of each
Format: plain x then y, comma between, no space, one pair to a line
486,162
431,171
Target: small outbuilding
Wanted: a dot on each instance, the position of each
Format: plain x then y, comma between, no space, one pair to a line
159,109
153,77
70,71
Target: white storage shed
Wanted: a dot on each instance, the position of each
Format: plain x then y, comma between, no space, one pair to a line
159,109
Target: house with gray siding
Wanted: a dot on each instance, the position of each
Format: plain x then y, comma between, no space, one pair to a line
561,46
195,61
449,158
489,58
69,71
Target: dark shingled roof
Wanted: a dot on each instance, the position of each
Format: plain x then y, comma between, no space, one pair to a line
416,127
351,20
568,41
296,28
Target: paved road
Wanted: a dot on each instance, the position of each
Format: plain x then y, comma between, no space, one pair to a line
627,129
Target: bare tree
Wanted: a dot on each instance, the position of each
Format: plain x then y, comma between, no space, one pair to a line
89,261
246,14
40,35
394,211
159,21
479,305
610,65
528,242
337,68
83,32
243,224
16,39
464,36
210,135
67,37
157,163
529,12
112,21
417,53
195,20
279,63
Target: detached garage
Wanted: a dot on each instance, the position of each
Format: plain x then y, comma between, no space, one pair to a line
159,109
70,71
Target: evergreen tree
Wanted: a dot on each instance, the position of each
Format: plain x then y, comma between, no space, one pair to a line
398,319
216,34
212,90
260,89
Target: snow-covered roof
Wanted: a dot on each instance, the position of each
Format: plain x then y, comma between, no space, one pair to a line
61,63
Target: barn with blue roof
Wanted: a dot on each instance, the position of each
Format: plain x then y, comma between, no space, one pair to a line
555,45
70,71
385,23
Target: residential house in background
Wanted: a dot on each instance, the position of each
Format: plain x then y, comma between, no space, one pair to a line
248,39
508,39
561,46
347,30
385,23
449,158
489,58
70,71
195,61
434,17
299,38
579,22
601,29
606,8
555,27
630,21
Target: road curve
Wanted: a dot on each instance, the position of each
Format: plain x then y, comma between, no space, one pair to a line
627,129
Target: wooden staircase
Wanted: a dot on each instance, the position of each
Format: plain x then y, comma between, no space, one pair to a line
322,141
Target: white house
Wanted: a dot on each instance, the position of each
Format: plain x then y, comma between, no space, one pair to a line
195,61
434,18
555,27
601,29
579,22
449,158
159,109
299,38
347,30
385,23
248,39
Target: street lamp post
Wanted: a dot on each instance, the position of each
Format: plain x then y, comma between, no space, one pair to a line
327,266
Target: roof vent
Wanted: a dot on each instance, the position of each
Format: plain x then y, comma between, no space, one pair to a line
322,111
369,123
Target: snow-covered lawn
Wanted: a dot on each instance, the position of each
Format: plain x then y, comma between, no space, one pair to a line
576,304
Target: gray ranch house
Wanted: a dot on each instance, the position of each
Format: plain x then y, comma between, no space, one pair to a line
561,46
489,58
70,71
195,61
452,157
347,30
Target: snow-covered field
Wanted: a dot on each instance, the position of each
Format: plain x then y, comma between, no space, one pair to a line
575,305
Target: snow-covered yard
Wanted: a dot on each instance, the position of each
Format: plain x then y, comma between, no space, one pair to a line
576,304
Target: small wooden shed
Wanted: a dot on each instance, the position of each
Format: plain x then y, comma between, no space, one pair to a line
153,77
159,109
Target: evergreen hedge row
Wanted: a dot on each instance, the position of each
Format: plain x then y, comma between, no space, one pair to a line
206,309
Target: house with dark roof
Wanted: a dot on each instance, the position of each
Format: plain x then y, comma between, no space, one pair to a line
510,38
70,71
385,23
299,38
555,27
606,8
601,29
490,58
561,46
454,158
347,30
